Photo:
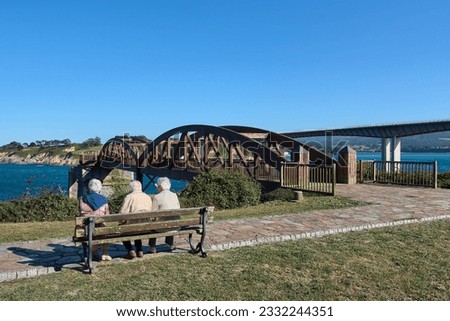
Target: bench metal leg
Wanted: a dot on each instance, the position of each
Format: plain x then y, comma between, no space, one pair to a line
200,248
201,244
193,249
91,226
204,215
85,254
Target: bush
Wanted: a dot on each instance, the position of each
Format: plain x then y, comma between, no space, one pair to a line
280,194
444,180
120,191
115,201
222,189
46,206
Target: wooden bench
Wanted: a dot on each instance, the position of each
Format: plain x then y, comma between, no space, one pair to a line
92,231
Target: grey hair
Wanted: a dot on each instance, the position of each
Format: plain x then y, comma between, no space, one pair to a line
95,185
135,186
164,183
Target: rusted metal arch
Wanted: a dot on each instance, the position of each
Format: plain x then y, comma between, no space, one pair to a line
286,142
136,153
266,154
128,145
184,152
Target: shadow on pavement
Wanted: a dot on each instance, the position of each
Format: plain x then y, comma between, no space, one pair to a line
58,256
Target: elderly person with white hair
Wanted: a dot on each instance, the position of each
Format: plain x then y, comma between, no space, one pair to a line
95,204
135,201
164,200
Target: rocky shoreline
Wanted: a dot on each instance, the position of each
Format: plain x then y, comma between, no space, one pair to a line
44,159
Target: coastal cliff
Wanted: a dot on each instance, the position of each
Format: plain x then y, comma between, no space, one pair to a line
40,158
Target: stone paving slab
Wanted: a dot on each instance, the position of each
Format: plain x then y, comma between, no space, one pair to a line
391,206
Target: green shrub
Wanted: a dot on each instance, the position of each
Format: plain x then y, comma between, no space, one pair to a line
280,194
48,205
444,180
222,189
120,191
115,201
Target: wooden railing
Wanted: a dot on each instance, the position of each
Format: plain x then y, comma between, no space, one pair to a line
318,179
399,173
90,157
267,173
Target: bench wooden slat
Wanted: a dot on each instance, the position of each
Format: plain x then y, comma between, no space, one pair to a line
145,215
143,227
121,237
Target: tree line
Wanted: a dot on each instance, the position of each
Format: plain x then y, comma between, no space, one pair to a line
90,142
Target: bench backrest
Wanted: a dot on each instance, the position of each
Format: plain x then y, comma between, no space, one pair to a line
142,222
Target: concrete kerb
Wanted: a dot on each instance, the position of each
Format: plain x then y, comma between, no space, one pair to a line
309,235
28,273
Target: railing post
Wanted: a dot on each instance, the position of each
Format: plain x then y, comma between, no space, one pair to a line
361,171
282,174
374,173
435,172
334,180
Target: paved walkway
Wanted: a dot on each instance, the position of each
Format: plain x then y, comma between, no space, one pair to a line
390,206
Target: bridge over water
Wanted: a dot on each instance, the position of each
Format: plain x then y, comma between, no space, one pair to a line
184,152
390,134
272,158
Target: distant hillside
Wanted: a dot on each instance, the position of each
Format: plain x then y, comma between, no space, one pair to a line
67,155
434,142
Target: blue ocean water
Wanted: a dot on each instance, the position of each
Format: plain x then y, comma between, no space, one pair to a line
15,180
150,188
443,159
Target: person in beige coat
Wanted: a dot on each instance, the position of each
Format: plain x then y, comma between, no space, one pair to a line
135,201
164,200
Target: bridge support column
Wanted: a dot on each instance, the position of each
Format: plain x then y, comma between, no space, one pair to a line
396,149
386,149
391,151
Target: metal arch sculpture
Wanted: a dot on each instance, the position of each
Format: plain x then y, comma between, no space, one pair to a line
183,152
122,152
300,152
188,150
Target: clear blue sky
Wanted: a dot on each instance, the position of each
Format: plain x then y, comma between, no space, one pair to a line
80,69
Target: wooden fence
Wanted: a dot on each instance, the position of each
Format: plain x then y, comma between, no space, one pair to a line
310,178
399,173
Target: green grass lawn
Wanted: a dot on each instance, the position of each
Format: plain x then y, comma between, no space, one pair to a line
402,263
13,232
